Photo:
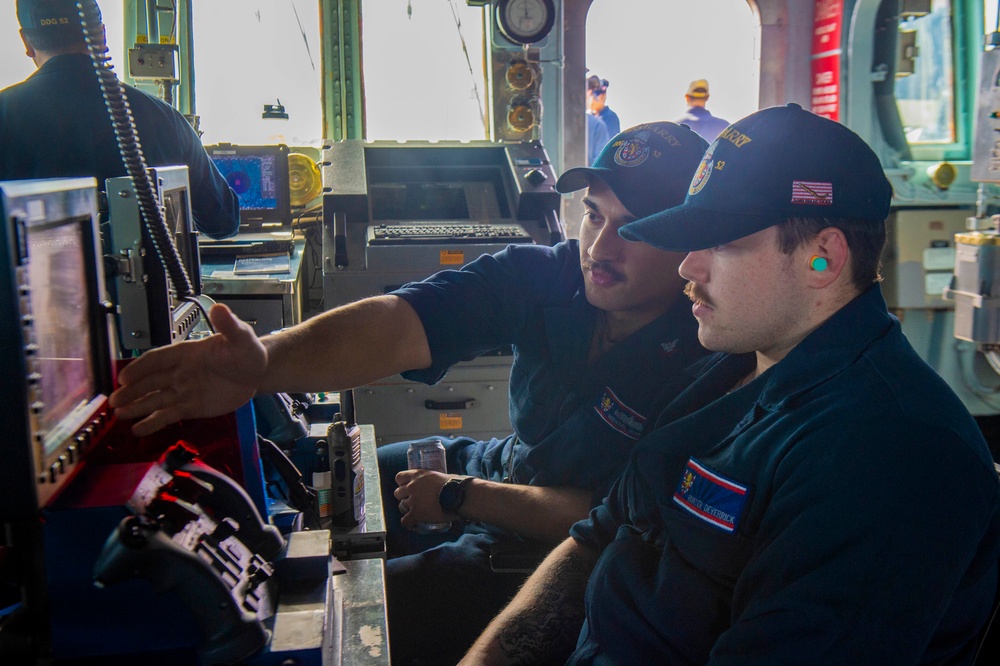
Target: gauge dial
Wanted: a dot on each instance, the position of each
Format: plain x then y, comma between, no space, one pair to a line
525,21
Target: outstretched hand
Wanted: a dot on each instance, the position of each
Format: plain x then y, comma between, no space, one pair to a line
193,379
418,497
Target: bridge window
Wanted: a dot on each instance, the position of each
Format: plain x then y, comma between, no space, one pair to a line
252,54
652,50
925,80
247,54
423,70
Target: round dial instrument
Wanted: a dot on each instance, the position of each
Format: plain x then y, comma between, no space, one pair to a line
525,21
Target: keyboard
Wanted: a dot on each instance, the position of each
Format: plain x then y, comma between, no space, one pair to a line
442,232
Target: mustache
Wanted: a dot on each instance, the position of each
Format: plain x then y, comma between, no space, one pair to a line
692,291
590,264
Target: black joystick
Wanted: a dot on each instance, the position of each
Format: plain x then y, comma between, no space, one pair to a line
137,548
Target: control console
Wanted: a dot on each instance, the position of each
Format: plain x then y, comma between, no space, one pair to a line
196,533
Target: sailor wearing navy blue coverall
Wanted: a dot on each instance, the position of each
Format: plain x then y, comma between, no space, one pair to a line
819,494
575,422
768,526
575,413
54,124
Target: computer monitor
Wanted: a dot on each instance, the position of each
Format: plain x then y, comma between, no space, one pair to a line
55,359
259,176
408,184
152,310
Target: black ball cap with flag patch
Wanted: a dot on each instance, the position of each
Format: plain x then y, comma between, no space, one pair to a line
648,167
777,163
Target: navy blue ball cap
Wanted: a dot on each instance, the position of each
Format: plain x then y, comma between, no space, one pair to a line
46,14
648,167
777,163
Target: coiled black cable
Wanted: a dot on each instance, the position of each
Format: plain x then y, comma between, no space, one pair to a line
131,151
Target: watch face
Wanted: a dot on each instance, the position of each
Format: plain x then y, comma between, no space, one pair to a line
452,495
526,21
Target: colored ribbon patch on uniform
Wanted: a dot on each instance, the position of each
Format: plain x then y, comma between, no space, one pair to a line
818,194
620,416
712,498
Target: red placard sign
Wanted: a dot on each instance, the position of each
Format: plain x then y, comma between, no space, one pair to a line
825,97
828,18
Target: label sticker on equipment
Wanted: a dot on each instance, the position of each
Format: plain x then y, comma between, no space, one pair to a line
450,421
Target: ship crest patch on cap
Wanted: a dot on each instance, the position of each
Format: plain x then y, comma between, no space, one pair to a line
633,150
704,170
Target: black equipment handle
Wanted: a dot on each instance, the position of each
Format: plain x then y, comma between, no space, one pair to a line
340,239
557,233
450,406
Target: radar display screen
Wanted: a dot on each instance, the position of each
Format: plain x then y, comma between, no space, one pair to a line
253,179
259,176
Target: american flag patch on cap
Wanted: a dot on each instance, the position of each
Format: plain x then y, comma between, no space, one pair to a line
818,194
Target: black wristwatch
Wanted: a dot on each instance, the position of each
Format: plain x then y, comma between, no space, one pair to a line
452,494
